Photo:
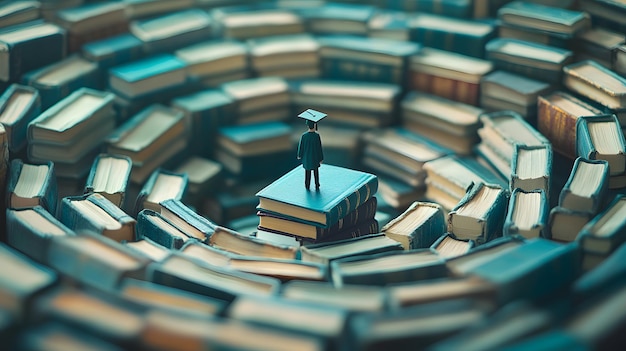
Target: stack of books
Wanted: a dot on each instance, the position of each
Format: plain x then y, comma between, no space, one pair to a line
288,56
343,207
259,99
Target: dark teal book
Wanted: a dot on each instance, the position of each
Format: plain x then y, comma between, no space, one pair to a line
46,336
587,186
113,51
59,79
607,275
30,185
452,34
95,213
607,230
368,227
461,265
161,185
110,176
94,260
533,60
605,13
565,224
528,214
338,18
343,191
152,225
388,268
187,220
325,253
22,43
531,168
390,24
418,227
248,244
147,76
30,231
552,340
19,104
533,270
542,17
256,138
254,167
449,8
23,283
601,138
171,31
178,271
559,40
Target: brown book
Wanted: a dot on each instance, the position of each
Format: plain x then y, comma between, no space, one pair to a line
556,119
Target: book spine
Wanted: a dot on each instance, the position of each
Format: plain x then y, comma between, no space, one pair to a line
451,89
352,201
546,75
366,228
26,56
558,126
361,214
147,229
25,238
454,42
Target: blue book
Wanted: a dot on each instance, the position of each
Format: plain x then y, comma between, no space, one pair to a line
531,168
19,105
61,78
171,31
162,185
605,13
255,139
461,265
527,214
543,17
586,189
113,51
449,8
21,45
533,270
187,220
418,227
452,34
343,191
327,252
550,340
336,18
601,138
31,185
109,176
153,226
148,76
607,230
533,60
95,213
30,231
604,277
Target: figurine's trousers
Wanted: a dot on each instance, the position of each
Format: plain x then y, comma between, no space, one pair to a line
307,177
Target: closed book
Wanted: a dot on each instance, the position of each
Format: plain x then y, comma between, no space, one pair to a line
109,176
151,8
556,120
338,18
367,227
204,177
242,24
418,226
113,51
19,105
530,34
276,222
590,79
257,94
162,185
95,260
388,268
148,249
604,277
601,138
390,24
607,230
53,334
531,168
20,45
187,220
213,58
30,185
30,230
457,35
461,265
502,88
565,224
350,297
232,241
255,139
449,246
152,225
449,8
94,212
587,186
349,189
20,12
284,52
146,76
369,244
527,214
542,17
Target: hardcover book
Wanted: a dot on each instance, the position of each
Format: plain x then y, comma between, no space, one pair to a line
338,18
152,225
246,24
214,58
324,253
418,226
546,18
187,220
19,12
148,249
527,214
349,189
109,176
31,185
232,241
607,230
162,185
255,139
502,90
278,55
587,187
565,224
531,168
113,51
596,82
19,105
355,298
601,138
449,246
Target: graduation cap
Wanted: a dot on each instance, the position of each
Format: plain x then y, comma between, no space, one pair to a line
312,117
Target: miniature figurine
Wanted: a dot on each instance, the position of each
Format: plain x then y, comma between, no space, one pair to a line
310,147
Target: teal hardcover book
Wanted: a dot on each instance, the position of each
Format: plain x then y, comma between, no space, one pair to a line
542,17
30,185
162,185
109,176
338,18
450,8
601,138
187,220
531,167
419,226
528,214
325,253
19,105
591,79
607,230
148,75
152,225
565,224
342,190
587,187
113,51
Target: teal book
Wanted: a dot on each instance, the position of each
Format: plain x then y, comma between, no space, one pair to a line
325,253
369,226
249,245
479,215
147,76
607,230
95,213
255,139
30,185
533,270
211,60
152,225
30,231
23,283
59,79
604,277
168,32
19,104
95,261
565,224
46,336
551,340
161,185
391,267
256,95
531,167
509,91
461,265
352,298
389,24
590,79
338,18
559,40
449,8
187,220
461,36
113,51
528,214
601,138
586,189
22,43
449,246
605,13
110,176
343,191
542,17
19,12
533,60
418,227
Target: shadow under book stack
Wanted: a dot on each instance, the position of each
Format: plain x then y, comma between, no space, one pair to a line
471,191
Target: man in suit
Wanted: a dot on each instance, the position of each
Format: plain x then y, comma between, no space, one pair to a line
310,148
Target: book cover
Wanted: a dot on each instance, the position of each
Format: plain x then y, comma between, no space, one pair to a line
565,224
30,231
161,185
531,168
232,241
418,226
187,220
349,189
154,226
50,334
367,227
527,214
324,253
30,185
601,138
109,176
607,230
542,17
590,79
19,105
149,75
94,212
113,51
587,186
